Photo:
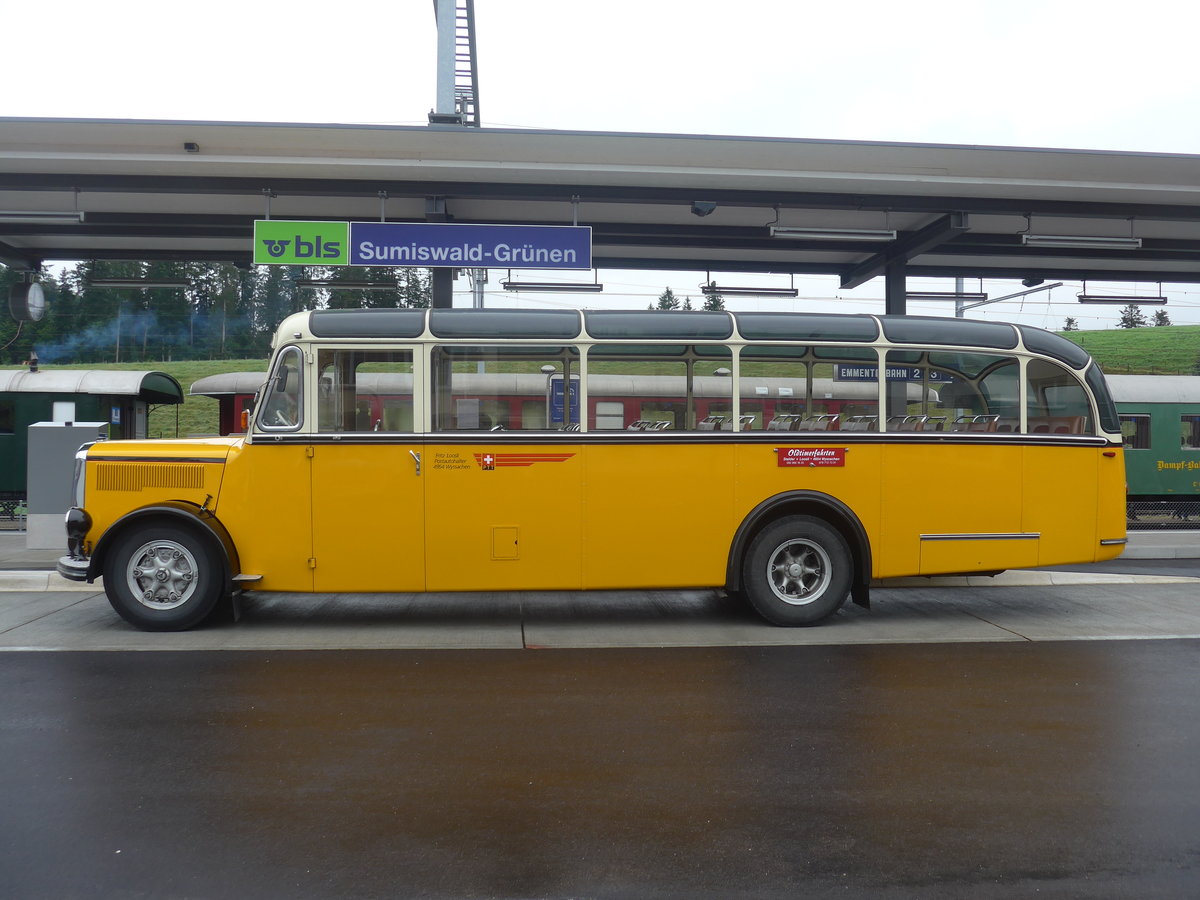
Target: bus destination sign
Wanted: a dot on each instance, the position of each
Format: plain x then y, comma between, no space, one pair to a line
870,372
280,242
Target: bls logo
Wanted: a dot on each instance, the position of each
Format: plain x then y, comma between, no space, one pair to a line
289,243
317,248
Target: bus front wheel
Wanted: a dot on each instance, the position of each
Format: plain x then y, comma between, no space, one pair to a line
798,571
162,578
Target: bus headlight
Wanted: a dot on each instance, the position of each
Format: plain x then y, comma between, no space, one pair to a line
79,523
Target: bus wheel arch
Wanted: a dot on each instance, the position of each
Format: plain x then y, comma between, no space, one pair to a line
167,567
815,506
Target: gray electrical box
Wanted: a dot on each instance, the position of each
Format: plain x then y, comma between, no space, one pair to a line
52,449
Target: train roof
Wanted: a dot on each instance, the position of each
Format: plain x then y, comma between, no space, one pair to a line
1154,388
153,387
227,383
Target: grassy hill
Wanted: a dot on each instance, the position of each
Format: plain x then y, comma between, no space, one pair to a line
1164,350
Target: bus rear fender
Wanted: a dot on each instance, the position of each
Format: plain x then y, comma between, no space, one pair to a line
805,503
177,512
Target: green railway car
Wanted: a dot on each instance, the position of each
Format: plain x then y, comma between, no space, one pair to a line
1160,420
121,398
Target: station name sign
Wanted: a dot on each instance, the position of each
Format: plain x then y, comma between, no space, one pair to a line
279,242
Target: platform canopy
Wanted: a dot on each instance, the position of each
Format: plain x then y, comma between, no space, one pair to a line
191,190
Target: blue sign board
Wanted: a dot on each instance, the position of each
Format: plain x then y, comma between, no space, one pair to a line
471,246
556,399
867,372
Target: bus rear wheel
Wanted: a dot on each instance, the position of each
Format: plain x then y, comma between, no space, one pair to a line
797,572
162,578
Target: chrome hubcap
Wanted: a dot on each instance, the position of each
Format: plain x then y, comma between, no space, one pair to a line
798,572
161,574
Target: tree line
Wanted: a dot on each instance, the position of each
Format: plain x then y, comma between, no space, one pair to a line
1131,317
225,312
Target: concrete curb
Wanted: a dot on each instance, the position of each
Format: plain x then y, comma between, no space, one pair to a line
1019,578
41,580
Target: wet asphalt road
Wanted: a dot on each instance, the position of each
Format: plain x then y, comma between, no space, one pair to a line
918,770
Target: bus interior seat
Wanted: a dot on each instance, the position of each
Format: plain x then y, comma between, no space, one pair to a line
782,422
860,423
821,422
976,423
906,423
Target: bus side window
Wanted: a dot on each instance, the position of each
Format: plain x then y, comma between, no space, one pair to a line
1057,402
774,387
659,387
505,387
365,390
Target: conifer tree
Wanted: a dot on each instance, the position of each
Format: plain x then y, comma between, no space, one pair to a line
1131,317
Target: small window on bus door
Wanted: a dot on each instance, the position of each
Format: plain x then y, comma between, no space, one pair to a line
660,387
365,390
505,387
1056,402
282,404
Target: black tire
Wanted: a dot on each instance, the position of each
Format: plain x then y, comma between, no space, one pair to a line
162,577
797,571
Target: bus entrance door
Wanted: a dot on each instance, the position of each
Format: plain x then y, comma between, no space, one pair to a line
367,523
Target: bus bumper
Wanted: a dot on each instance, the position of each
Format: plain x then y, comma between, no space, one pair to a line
73,568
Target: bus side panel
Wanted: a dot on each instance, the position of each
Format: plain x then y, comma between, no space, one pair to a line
502,516
265,505
657,516
767,470
949,507
1075,498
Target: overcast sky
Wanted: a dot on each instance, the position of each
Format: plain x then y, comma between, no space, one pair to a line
1054,73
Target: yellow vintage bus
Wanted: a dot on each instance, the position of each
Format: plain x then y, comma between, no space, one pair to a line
787,457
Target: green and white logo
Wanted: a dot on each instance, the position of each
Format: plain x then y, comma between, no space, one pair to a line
282,243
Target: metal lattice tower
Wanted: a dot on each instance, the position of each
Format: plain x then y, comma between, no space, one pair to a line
458,75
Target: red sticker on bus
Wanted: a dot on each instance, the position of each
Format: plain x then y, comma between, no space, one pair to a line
489,461
810,456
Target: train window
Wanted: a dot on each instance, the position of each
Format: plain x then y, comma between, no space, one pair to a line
667,387
508,387
6,417
1189,432
1056,401
1136,432
365,390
